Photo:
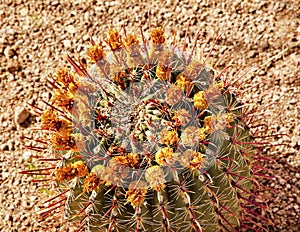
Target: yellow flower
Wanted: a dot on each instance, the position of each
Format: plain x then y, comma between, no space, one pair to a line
183,82
50,120
96,52
63,98
62,141
66,141
77,169
114,40
210,124
168,138
228,119
131,40
217,122
91,182
66,79
136,193
64,173
163,72
157,36
221,85
81,168
200,102
192,159
128,160
165,156
201,134
65,126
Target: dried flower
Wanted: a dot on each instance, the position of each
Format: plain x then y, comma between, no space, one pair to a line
155,177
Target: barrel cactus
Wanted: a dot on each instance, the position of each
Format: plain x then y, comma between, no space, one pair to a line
145,136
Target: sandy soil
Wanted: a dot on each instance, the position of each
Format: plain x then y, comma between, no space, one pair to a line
35,37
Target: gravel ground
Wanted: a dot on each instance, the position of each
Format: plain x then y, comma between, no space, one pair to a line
35,37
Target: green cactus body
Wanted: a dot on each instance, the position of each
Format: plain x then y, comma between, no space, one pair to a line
148,138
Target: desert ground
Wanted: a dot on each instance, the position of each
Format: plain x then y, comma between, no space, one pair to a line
35,37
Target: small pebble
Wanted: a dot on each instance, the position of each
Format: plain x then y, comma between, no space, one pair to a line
21,114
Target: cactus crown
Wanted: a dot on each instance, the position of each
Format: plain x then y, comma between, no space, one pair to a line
147,137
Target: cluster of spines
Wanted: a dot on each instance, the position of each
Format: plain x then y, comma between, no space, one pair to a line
217,206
